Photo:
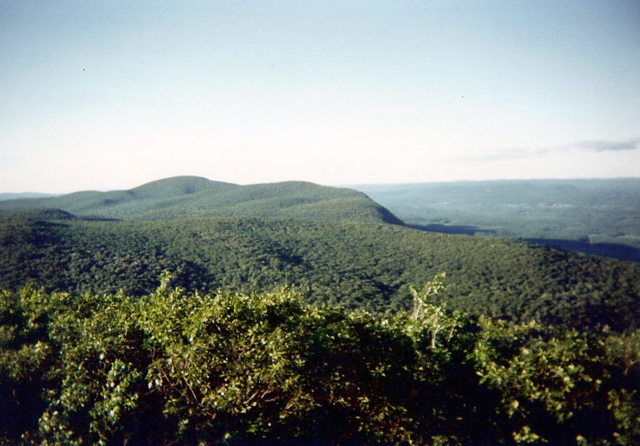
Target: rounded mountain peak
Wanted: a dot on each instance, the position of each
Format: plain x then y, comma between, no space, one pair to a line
177,186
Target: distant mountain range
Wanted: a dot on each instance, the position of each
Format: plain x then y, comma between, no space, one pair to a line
190,196
598,217
15,196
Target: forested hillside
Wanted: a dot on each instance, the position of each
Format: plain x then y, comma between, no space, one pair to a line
193,312
355,265
182,197
599,217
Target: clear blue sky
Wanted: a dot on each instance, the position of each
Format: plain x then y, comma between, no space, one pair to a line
112,94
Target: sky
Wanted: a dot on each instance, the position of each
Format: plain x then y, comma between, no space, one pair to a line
104,95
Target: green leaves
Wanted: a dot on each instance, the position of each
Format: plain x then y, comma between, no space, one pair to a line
176,366
225,359
557,381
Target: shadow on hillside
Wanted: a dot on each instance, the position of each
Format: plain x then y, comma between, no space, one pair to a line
453,229
612,250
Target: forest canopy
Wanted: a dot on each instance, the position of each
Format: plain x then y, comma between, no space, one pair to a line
230,368
354,265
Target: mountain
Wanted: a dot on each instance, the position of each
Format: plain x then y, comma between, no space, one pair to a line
189,196
15,196
105,337
333,244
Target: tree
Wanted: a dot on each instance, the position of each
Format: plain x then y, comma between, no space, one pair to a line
552,388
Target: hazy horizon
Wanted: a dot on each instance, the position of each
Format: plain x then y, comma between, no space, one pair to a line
354,186
107,95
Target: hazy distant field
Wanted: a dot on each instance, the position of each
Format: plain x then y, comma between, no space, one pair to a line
594,216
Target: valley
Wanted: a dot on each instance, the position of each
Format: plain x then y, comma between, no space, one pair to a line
597,217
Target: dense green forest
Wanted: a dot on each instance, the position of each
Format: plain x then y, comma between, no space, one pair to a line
182,197
355,265
194,312
595,216
174,367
